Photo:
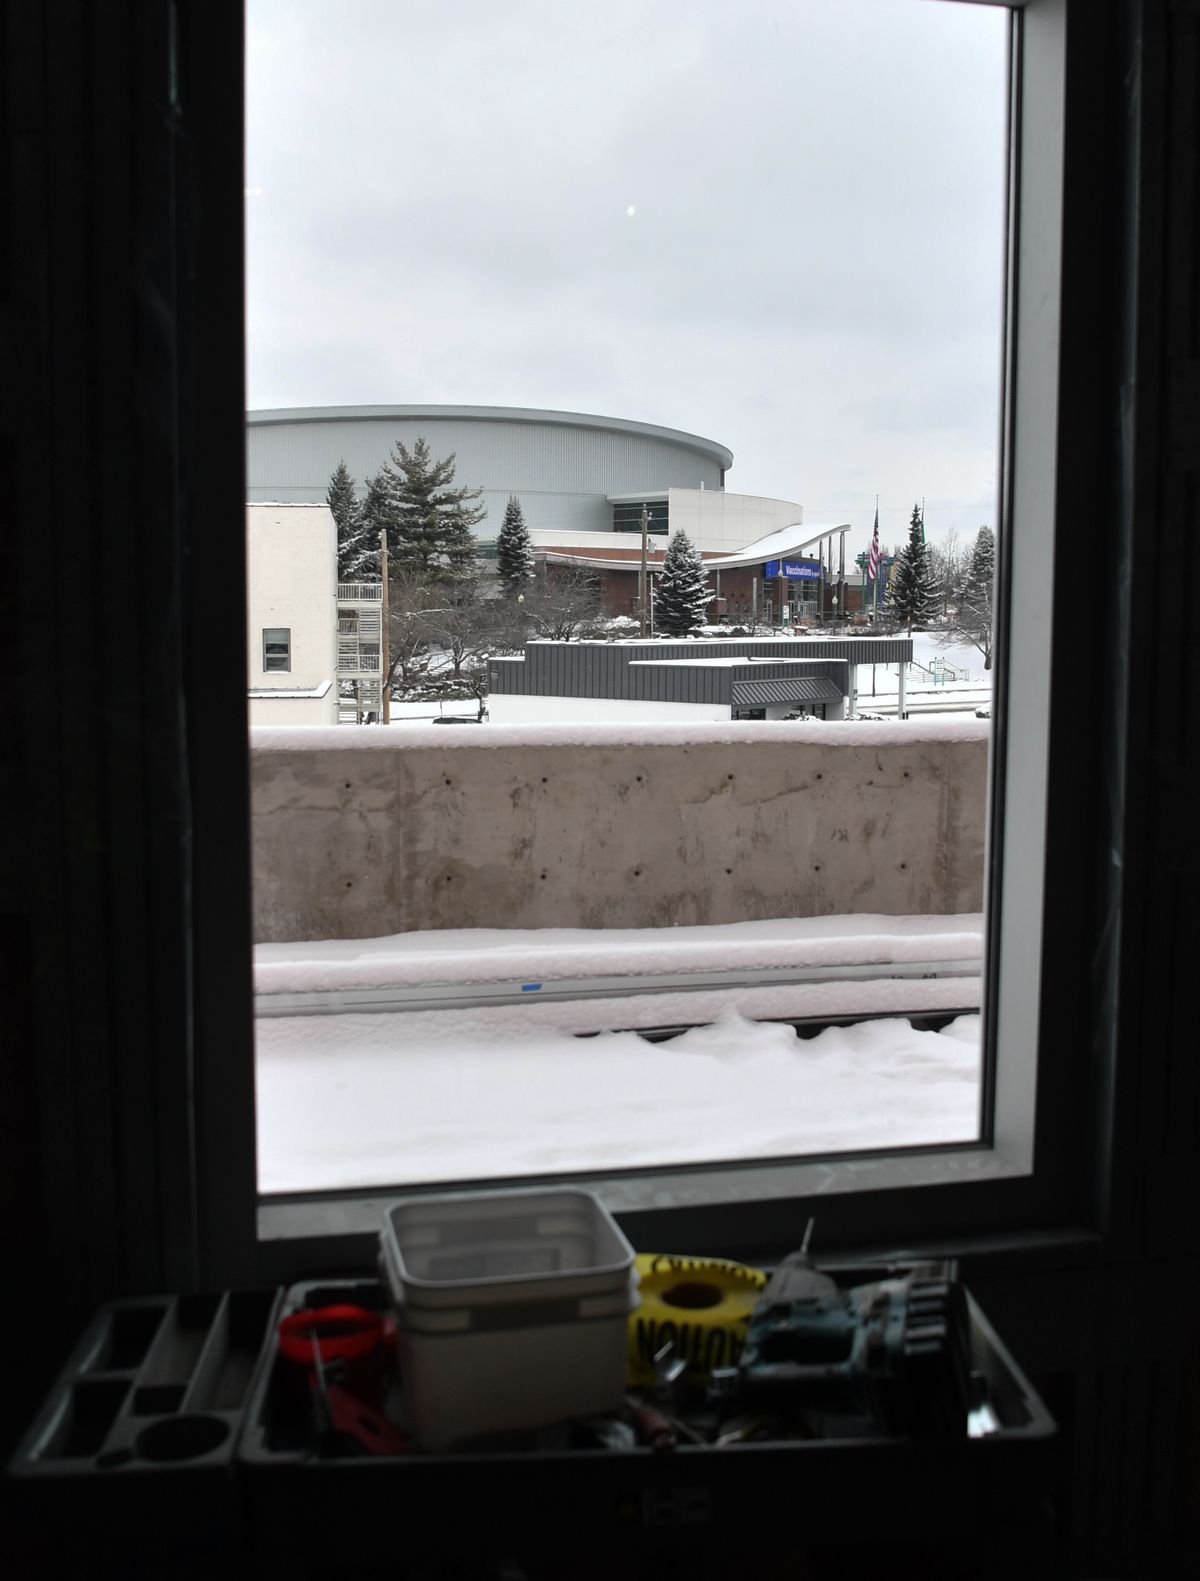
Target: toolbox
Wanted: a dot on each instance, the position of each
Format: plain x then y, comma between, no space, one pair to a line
199,1393
153,1384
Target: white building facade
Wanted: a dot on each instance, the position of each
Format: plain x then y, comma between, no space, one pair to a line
291,615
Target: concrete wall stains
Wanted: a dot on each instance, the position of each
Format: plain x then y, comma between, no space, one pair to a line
354,843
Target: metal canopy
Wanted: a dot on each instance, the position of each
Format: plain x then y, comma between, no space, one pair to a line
795,689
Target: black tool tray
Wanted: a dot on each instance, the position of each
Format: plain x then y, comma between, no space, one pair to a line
880,1486
155,1385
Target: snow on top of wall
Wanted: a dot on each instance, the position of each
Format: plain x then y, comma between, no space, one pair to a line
837,733
483,955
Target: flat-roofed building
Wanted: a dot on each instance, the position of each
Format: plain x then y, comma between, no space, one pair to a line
762,678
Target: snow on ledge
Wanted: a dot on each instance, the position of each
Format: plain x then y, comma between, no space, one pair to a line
398,737
481,955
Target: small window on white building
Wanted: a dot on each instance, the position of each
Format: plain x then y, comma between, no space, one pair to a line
277,647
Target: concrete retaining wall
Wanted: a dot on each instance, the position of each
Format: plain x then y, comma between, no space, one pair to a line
357,841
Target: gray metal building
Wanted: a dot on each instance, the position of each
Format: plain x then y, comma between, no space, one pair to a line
766,678
563,466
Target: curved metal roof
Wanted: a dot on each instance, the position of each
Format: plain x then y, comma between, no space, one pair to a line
784,541
493,414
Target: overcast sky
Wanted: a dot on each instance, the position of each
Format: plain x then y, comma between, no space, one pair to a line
778,225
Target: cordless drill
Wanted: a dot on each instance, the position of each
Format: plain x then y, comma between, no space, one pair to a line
895,1349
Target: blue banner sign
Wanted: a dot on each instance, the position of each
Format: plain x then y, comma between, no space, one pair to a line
794,570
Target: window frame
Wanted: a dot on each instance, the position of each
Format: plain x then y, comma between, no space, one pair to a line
1038,1176
272,632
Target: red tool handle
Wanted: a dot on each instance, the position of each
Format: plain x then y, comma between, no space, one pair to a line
342,1333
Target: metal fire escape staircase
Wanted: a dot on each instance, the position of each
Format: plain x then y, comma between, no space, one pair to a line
359,652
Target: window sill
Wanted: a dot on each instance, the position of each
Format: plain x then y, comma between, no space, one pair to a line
335,1215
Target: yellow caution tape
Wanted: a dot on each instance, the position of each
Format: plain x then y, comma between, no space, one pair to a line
701,1306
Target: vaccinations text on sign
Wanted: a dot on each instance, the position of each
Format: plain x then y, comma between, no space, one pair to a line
794,570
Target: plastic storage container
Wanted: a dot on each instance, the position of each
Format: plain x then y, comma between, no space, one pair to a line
511,1310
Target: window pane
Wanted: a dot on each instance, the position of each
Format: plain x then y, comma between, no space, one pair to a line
670,277
277,648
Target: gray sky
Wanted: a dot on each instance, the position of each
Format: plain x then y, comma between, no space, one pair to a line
778,225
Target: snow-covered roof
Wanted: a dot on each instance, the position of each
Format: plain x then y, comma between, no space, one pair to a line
701,661
258,692
783,541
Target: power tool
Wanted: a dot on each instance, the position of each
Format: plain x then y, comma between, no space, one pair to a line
894,1349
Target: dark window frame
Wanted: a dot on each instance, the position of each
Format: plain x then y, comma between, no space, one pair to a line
1060,1198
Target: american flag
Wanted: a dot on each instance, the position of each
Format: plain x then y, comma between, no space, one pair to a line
873,557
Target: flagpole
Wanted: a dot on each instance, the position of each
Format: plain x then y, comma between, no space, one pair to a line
875,578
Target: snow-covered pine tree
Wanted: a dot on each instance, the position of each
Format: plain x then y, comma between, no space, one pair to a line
975,596
514,550
683,594
429,520
358,560
374,517
913,594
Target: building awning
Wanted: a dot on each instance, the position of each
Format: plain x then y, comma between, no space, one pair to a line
793,689
784,542
257,693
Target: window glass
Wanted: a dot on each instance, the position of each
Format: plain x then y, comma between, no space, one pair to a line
277,648
743,272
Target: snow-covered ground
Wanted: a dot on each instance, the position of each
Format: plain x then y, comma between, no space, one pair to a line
964,691
453,1095
426,1096
460,708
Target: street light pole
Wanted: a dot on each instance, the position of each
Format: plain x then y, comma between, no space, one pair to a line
643,574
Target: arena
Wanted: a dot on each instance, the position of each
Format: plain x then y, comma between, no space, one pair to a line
583,482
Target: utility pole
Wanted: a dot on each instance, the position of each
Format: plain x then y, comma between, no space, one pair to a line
643,575
841,598
385,637
821,581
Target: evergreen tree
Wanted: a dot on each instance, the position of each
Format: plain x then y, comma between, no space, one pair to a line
342,500
375,512
514,550
683,593
975,595
913,594
428,521
357,557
